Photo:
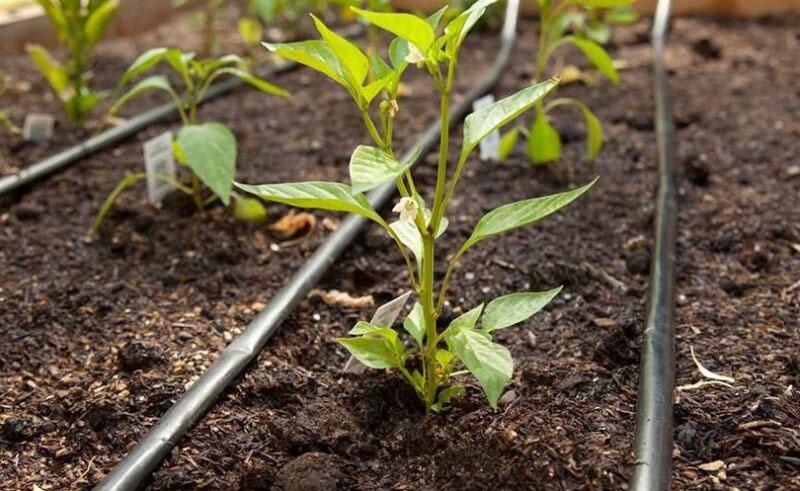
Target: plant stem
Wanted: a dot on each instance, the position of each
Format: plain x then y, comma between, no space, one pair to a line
429,312
126,182
197,193
444,148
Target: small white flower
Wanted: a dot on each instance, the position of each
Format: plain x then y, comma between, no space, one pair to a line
414,56
407,208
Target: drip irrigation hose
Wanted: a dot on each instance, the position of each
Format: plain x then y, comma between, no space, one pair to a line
653,439
130,127
137,466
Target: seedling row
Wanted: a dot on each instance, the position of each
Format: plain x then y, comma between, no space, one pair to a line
175,284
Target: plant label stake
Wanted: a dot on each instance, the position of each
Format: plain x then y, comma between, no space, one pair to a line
385,316
160,167
490,146
38,128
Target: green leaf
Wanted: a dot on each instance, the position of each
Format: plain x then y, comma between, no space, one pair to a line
254,81
251,30
363,327
410,236
544,142
507,143
444,358
489,362
332,196
436,17
98,21
405,26
374,352
376,347
249,210
467,320
398,52
484,121
142,63
594,130
371,167
53,71
597,55
515,215
56,16
447,395
599,32
154,82
415,324
622,15
314,54
372,90
459,27
594,133
351,58
210,151
512,309
379,67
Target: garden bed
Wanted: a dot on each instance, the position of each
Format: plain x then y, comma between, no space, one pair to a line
103,335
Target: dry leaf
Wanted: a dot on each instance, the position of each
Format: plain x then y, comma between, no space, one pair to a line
701,384
344,299
705,372
604,322
294,224
712,466
330,224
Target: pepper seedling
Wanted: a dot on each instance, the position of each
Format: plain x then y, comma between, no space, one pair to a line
469,339
5,119
582,24
207,149
79,26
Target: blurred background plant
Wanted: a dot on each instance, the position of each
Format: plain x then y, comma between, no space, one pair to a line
80,25
5,118
207,149
585,25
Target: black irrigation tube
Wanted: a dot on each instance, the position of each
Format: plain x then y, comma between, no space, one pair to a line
653,440
137,466
130,127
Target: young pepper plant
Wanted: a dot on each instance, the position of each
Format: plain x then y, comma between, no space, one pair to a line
5,118
468,340
207,149
565,23
80,25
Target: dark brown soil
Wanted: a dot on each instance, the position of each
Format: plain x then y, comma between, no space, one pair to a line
102,337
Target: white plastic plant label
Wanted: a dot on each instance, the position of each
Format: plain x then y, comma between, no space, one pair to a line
159,164
385,316
489,146
38,127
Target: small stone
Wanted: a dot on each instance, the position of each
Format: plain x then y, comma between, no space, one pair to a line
508,398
